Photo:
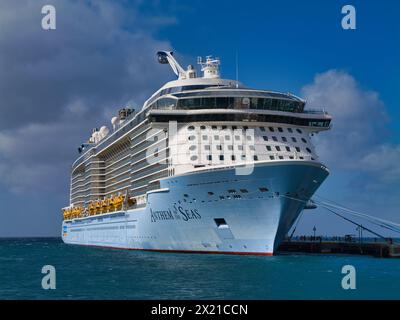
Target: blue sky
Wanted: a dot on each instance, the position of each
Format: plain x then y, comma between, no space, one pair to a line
101,57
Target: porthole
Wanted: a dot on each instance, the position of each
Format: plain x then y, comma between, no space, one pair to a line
193,158
221,157
255,158
192,147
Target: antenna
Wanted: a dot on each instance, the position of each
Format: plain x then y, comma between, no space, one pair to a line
237,70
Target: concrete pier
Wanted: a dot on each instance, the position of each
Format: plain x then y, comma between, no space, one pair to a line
365,247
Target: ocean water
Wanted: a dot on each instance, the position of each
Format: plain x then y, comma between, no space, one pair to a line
96,273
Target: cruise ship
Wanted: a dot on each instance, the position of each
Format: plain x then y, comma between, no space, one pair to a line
206,165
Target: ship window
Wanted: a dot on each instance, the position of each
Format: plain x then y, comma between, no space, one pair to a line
214,127
281,157
237,137
263,189
265,138
287,148
272,157
202,127
219,147
237,196
230,147
221,157
223,127
233,158
243,157
280,129
193,147
301,158
248,138
222,197
278,148
299,131
216,137
304,140
240,147
207,147
312,158
205,138
262,129
210,193
255,158
234,127
244,191
291,157
192,137
190,128
186,195
284,139
252,147
290,130
271,129
209,157
297,149
245,127
269,148
274,138
232,191
227,137
220,222
308,150
193,158
294,139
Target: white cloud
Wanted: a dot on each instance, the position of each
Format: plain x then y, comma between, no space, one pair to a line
358,139
57,85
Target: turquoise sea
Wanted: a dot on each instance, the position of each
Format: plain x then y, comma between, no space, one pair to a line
95,273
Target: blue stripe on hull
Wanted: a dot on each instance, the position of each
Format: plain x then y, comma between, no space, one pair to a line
183,219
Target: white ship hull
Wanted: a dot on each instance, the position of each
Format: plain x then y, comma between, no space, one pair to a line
199,212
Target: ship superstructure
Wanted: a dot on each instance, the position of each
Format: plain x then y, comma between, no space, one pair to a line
206,165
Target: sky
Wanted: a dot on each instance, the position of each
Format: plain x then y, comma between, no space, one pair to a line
55,85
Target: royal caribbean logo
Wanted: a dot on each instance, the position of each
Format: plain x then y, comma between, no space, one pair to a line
177,213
